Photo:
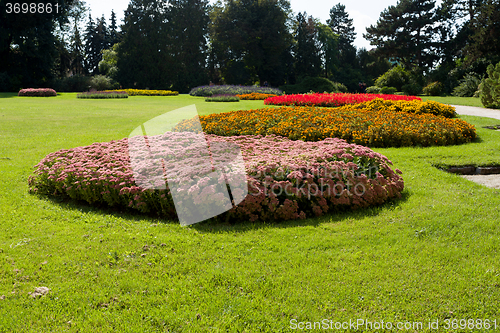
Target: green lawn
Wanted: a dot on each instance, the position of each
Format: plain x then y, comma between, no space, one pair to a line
434,255
468,101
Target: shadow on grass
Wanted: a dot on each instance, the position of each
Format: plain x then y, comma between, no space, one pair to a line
105,210
7,95
217,225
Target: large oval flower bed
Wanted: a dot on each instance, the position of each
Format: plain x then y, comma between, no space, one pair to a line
366,127
286,179
332,100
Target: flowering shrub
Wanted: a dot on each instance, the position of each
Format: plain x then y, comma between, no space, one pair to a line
286,179
415,106
39,92
102,94
232,90
143,92
380,128
433,89
255,96
222,98
337,99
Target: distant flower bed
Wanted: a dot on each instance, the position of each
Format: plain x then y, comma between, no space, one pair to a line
415,106
286,179
102,94
222,98
332,100
232,90
255,96
144,92
380,128
37,92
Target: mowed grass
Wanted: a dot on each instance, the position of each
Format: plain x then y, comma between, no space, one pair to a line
433,255
453,100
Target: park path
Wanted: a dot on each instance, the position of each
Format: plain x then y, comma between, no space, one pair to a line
492,181
475,111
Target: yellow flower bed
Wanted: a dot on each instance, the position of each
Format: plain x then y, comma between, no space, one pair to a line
415,106
255,96
144,92
369,128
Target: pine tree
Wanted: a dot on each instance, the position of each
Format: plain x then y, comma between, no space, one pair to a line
341,24
113,33
252,36
306,51
77,52
405,33
91,48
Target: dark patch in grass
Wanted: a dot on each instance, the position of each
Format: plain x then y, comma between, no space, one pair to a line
470,169
219,224
101,209
493,127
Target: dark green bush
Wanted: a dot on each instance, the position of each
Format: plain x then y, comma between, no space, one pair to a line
395,77
75,83
468,86
373,90
388,90
315,84
102,82
412,89
490,88
433,89
340,87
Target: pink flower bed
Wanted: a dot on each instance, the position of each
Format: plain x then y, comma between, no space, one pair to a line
286,179
332,100
39,92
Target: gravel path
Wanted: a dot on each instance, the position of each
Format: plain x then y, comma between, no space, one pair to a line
475,111
492,181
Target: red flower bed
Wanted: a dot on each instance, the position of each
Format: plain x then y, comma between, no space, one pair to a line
332,100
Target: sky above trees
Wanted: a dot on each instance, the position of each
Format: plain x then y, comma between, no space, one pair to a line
363,12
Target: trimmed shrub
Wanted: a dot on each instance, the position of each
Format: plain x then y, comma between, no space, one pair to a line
286,179
102,82
222,98
143,92
412,89
490,88
255,96
433,89
388,90
340,87
311,84
38,92
206,91
329,100
468,86
415,106
102,94
380,128
395,77
373,90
